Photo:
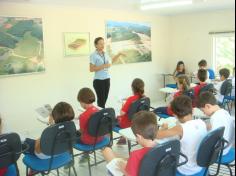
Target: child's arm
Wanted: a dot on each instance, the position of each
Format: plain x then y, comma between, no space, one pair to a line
37,146
166,133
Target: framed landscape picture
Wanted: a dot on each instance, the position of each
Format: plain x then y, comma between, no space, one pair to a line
21,46
132,39
76,44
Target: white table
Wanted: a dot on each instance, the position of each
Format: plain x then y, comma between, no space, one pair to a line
169,90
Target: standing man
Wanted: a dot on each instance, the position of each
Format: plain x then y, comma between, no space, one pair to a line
100,63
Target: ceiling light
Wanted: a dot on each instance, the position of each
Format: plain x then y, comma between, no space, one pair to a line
154,4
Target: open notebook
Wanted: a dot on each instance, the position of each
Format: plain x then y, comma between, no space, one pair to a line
113,169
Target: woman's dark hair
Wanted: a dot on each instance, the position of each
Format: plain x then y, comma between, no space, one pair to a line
97,40
62,112
138,86
178,66
86,96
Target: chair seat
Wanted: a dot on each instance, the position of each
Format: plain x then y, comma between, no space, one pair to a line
201,173
228,158
11,170
164,116
87,148
174,86
117,129
41,165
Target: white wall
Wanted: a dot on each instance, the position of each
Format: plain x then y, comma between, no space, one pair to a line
190,39
20,95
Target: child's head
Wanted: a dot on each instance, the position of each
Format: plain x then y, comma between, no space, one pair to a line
62,112
86,97
182,107
183,83
138,87
202,75
144,126
224,74
206,102
202,64
180,66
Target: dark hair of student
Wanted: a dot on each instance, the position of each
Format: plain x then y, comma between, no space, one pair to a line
202,75
202,63
62,112
138,87
182,106
206,98
225,72
178,66
86,96
184,80
96,41
145,124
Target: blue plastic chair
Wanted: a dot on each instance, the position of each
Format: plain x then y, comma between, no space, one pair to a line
10,151
100,124
11,171
211,148
164,116
56,142
228,103
228,159
212,74
173,86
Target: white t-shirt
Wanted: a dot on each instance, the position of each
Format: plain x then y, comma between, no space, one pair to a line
222,118
193,133
218,86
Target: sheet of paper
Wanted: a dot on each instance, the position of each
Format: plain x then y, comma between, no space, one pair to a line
113,167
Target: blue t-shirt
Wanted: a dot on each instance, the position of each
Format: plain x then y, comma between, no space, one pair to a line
98,59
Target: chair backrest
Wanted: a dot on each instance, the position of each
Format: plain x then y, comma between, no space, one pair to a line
226,88
162,160
210,148
143,104
10,149
208,88
101,123
212,74
58,139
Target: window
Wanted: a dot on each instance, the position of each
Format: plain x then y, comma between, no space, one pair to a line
224,52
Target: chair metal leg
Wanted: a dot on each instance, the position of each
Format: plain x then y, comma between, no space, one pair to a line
95,158
69,171
129,146
58,172
230,170
75,173
89,164
27,171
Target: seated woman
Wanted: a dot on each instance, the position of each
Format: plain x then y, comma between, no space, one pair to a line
183,84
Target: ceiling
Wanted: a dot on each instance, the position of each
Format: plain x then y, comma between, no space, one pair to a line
134,5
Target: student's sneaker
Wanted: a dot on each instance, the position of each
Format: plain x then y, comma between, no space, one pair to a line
84,158
122,141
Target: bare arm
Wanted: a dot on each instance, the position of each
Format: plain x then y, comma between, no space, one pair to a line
176,131
37,146
94,68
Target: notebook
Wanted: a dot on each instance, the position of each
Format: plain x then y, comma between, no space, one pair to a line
112,167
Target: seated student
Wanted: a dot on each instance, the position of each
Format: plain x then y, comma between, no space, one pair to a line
123,119
224,87
233,83
62,112
180,69
203,65
3,171
191,132
144,126
138,92
218,117
86,98
183,87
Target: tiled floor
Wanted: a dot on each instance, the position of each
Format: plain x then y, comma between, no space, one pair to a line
100,170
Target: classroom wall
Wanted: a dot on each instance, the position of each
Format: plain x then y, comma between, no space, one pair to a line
20,95
190,39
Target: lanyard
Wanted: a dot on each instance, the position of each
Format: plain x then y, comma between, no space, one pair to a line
103,57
